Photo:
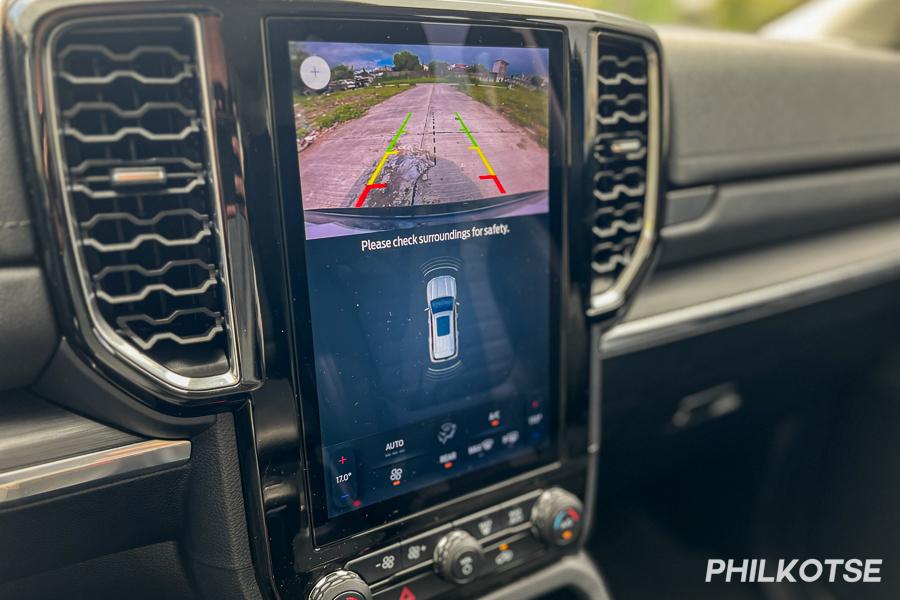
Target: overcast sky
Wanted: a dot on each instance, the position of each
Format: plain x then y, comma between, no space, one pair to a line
532,61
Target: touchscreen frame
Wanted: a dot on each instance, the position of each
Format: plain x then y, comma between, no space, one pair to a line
283,30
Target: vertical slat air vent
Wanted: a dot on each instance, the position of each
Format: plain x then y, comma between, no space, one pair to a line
620,184
140,196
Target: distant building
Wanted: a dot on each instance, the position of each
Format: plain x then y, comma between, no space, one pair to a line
525,80
499,69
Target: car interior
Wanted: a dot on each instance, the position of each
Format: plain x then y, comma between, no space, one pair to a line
508,299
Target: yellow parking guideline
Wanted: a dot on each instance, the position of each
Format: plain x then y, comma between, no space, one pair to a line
487,165
380,166
491,175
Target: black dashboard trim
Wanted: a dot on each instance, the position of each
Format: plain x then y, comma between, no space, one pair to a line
34,431
876,264
820,105
736,216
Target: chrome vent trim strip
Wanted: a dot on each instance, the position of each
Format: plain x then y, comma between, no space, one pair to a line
67,474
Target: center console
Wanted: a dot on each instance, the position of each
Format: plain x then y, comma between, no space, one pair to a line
513,534
388,240
437,348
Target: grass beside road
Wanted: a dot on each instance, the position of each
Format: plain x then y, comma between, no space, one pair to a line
327,110
523,106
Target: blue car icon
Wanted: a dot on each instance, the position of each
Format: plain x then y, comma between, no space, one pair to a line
443,335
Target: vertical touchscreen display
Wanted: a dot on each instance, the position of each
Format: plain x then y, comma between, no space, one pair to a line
425,177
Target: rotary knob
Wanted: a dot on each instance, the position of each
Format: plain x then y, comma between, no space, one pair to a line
557,516
340,585
458,557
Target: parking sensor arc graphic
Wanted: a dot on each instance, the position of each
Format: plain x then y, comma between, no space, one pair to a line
448,263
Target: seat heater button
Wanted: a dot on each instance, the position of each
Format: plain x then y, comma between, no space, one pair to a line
491,522
484,525
516,513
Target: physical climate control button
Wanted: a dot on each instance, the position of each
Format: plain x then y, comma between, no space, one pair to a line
483,525
340,585
420,549
378,565
491,522
557,516
513,551
517,512
458,557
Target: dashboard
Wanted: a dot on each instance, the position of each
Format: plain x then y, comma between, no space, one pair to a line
319,292
366,235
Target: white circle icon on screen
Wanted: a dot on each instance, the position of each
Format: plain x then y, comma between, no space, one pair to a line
315,72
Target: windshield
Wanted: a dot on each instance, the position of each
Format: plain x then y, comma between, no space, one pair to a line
440,305
734,15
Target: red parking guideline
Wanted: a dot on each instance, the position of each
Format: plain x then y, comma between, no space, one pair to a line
371,185
496,180
487,165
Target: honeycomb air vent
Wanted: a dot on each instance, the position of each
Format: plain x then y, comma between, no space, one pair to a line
621,152
142,207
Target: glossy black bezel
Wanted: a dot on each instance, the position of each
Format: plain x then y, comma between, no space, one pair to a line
282,30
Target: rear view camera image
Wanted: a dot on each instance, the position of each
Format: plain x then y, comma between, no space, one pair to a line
393,136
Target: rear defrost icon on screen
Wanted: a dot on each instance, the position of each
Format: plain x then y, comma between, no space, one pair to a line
443,336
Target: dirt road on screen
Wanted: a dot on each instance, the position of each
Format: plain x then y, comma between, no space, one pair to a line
431,144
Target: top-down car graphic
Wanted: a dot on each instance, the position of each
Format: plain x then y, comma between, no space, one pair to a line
443,336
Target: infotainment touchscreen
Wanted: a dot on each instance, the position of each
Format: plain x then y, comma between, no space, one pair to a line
424,162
